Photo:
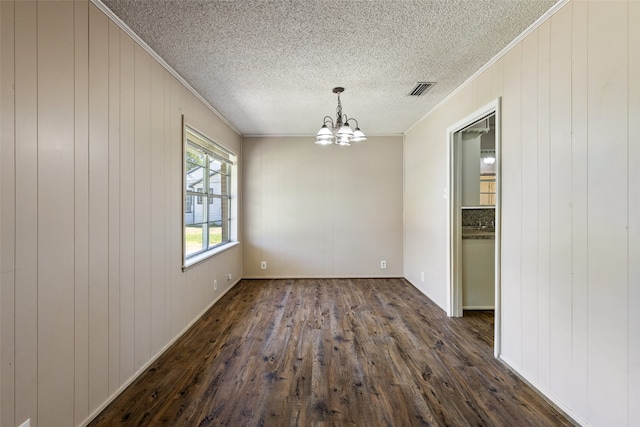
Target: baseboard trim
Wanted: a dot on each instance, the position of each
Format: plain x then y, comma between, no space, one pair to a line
154,358
545,394
275,277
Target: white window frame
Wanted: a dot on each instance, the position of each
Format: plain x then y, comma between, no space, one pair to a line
211,150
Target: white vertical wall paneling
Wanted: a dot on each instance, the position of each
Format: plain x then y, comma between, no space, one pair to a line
98,208
512,207
560,203
252,202
158,208
587,108
465,97
497,79
544,207
170,207
127,210
7,217
114,207
608,209
349,229
385,154
55,212
474,94
26,176
414,258
315,259
334,195
326,160
579,213
634,213
142,197
269,209
484,89
196,276
68,333
435,179
177,278
81,195
321,211
294,156
277,220
529,202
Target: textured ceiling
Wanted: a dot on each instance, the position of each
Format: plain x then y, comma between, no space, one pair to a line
269,66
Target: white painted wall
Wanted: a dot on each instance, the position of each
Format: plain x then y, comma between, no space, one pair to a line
570,206
90,251
313,211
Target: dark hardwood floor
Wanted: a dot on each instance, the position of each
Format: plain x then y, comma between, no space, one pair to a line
331,352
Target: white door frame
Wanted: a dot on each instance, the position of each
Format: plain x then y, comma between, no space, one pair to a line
454,217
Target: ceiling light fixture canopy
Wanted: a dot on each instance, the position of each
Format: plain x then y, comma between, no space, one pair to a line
339,132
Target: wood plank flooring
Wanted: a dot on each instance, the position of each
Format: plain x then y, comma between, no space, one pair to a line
331,352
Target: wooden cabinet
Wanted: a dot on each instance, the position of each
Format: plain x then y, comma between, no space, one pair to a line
487,190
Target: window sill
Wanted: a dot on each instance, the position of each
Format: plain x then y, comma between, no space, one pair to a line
206,255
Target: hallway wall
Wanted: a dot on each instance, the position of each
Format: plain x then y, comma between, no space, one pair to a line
570,206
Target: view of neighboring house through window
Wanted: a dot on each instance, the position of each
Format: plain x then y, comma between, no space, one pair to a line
207,195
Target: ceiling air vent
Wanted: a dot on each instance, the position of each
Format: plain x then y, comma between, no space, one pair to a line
421,88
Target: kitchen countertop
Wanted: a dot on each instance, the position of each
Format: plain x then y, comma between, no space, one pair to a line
478,233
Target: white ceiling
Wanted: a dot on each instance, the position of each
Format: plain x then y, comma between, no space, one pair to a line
269,67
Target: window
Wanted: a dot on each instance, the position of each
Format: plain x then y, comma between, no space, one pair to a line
207,196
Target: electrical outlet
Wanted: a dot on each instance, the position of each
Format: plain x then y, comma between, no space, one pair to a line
215,285
26,423
422,276
383,264
228,276
263,265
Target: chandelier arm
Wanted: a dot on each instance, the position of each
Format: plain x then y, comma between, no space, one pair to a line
328,119
351,118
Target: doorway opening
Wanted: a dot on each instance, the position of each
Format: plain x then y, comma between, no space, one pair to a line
474,215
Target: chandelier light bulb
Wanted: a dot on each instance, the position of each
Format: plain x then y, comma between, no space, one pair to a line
358,136
345,130
343,141
324,141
